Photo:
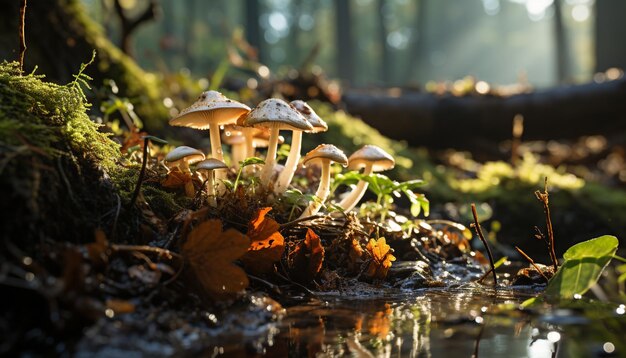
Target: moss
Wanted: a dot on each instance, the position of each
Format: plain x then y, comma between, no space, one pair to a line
53,179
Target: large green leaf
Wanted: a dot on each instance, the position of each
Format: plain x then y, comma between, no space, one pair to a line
584,262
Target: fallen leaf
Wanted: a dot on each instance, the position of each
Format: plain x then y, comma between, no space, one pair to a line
211,252
176,179
355,255
381,258
267,244
307,258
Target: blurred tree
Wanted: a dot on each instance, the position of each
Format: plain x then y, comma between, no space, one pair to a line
610,51
560,45
417,46
130,24
253,29
345,48
385,53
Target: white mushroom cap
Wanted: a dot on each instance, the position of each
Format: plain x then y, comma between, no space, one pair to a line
318,123
371,154
211,107
326,152
211,164
192,155
276,113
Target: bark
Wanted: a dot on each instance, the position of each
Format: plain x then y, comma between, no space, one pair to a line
480,121
60,37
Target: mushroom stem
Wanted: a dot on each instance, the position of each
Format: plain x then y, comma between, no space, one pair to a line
184,166
270,158
216,152
350,201
322,192
210,189
238,154
284,179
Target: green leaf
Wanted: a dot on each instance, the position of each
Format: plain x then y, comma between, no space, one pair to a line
584,262
601,246
251,161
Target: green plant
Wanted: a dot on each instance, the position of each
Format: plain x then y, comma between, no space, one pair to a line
386,189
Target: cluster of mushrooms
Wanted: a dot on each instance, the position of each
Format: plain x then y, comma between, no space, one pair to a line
246,129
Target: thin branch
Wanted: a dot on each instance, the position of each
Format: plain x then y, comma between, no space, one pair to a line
22,37
531,261
479,231
146,141
544,199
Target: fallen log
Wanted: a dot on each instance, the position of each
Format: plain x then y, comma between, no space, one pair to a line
474,121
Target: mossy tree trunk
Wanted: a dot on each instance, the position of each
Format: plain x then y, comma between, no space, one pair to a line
60,37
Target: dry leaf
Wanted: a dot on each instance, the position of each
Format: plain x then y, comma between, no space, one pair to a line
176,179
267,244
355,255
381,258
307,258
211,252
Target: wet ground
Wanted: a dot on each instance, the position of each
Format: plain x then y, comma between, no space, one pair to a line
457,321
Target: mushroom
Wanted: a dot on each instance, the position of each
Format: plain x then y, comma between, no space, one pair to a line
181,157
211,110
284,179
274,114
324,155
209,165
234,137
372,159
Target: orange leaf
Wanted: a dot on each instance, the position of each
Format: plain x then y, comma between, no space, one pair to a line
211,252
380,324
267,246
381,258
307,258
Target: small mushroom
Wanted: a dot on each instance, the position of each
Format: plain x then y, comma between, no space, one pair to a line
209,165
324,155
234,137
274,114
211,110
284,179
372,159
181,157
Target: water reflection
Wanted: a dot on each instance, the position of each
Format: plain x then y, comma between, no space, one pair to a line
444,323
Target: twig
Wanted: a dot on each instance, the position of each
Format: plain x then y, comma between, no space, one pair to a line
117,216
291,223
544,199
144,162
22,37
531,261
479,231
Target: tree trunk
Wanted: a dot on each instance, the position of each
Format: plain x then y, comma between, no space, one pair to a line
345,50
610,26
385,60
253,31
60,37
472,122
560,40
418,41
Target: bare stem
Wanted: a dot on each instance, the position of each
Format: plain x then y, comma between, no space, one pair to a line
22,37
531,261
144,162
544,199
479,231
